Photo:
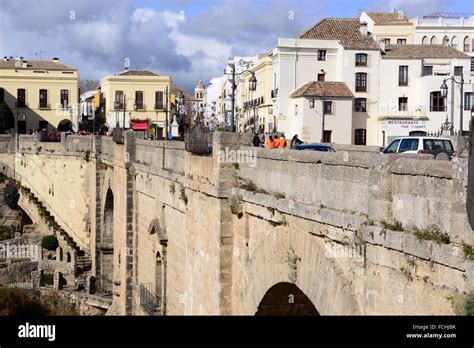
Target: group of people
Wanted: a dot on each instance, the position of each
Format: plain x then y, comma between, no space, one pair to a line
275,141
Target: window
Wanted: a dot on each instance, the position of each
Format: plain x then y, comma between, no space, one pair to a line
386,41
402,104
437,144
458,71
327,135
466,44
21,97
43,98
425,40
2,95
360,137
401,41
139,100
437,102
434,40
328,107
118,99
445,41
321,77
427,70
469,101
321,54
64,98
361,59
408,145
360,104
158,100
361,82
392,148
403,75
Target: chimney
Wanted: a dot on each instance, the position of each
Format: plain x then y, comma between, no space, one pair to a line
56,60
364,29
5,59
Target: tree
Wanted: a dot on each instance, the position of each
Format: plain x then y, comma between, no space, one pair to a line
49,242
64,125
7,121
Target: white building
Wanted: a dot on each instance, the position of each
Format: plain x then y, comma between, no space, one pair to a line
410,100
332,50
448,29
211,100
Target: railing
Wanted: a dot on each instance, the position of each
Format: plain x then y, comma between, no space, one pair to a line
44,106
147,298
140,106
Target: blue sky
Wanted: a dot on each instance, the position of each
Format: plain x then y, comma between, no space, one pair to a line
187,39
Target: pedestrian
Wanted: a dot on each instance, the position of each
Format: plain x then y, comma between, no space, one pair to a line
256,140
295,141
281,142
270,143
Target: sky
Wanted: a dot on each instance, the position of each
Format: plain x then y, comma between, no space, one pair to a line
190,40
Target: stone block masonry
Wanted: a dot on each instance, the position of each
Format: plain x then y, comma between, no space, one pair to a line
352,232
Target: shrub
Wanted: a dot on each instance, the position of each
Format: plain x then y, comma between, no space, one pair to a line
49,278
11,195
469,304
49,242
432,232
64,125
15,302
393,225
6,232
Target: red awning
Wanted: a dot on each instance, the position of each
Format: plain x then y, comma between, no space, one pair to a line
140,125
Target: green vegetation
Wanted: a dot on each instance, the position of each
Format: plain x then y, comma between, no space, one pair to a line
6,232
7,120
469,304
468,251
49,242
250,186
64,125
393,225
49,278
11,195
432,232
236,166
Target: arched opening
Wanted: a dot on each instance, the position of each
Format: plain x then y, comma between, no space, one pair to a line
466,44
446,41
60,254
68,257
286,299
106,267
434,40
159,272
425,40
454,42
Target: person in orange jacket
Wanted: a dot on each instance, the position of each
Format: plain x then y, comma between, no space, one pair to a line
270,143
280,142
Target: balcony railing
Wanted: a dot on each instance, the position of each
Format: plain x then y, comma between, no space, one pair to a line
44,106
140,106
147,298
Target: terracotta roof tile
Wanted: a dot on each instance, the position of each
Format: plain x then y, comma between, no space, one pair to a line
345,30
323,89
421,51
137,73
36,65
388,18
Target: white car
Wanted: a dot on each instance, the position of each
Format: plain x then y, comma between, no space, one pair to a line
440,148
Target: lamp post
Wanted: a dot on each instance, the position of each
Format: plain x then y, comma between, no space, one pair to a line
252,87
444,93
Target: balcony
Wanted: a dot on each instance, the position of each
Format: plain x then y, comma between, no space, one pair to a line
44,106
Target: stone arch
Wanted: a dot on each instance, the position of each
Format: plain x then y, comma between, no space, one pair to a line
286,299
425,40
295,256
454,42
466,44
106,245
434,40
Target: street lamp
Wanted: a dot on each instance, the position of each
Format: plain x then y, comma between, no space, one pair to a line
444,94
252,87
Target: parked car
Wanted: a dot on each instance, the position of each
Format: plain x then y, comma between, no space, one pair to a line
314,147
440,148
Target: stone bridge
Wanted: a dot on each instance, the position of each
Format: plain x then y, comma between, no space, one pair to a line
254,231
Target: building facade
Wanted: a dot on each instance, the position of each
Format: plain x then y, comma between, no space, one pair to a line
40,93
211,100
392,28
448,29
255,108
136,97
410,98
